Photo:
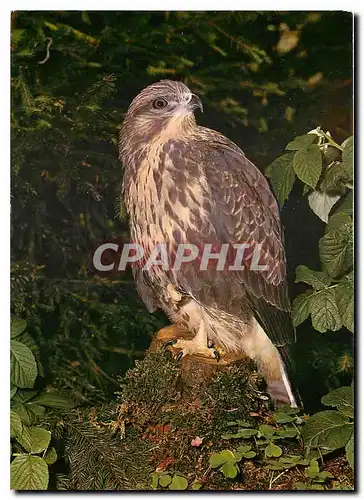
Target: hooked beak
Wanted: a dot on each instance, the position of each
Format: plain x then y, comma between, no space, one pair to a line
194,103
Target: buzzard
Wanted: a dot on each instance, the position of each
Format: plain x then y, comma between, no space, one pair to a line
186,184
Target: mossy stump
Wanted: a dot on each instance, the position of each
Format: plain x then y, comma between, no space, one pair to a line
164,406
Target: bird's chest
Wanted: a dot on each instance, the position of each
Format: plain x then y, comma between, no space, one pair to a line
165,200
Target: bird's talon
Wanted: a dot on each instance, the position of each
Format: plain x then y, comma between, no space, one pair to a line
179,356
216,354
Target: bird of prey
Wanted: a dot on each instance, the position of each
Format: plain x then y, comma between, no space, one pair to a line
187,184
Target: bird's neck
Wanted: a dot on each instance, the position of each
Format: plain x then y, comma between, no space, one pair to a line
148,134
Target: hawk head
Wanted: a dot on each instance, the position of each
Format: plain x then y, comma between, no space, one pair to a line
165,107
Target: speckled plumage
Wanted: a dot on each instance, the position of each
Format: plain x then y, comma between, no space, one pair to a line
188,184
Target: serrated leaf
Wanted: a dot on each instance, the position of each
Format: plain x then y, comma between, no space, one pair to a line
23,371
164,481
301,142
336,253
28,472
178,483
317,279
229,470
16,426
344,293
40,439
18,325
25,438
321,203
342,399
301,307
339,219
348,155
51,456
335,179
34,439
13,391
24,395
53,399
282,176
349,448
272,450
307,163
328,429
324,312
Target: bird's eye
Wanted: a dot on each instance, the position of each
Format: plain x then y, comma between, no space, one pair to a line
159,103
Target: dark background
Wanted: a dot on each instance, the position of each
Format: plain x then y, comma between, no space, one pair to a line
264,77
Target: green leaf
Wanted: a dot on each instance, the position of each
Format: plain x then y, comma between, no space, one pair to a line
289,433
250,454
272,450
282,176
25,439
301,307
229,469
247,433
335,180
324,312
339,219
282,418
24,395
51,456
243,448
16,426
344,293
29,413
321,203
18,325
196,485
328,429
301,142
307,163
34,439
53,399
178,483
349,448
317,279
155,480
28,472
216,460
13,391
342,399
267,430
23,371
313,468
165,480
336,252
40,439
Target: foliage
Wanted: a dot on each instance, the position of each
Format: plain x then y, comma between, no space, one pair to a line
330,430
326,170
31,451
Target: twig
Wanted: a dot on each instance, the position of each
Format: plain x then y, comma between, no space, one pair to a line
275,479
50,41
